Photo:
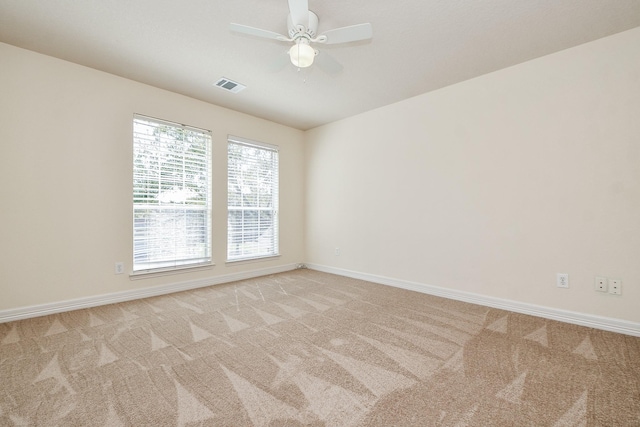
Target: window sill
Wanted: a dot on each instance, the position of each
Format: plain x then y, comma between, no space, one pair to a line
147,274
252,260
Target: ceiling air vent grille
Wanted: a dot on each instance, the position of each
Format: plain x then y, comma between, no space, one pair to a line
230,85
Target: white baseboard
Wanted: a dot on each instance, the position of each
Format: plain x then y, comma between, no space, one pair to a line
94,301
589,320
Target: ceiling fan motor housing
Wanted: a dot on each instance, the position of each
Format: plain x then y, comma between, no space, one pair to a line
311,30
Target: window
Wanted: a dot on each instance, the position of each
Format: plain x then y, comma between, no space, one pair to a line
171,195
252,200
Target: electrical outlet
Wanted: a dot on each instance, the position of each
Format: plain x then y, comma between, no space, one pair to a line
601,284
337,251
615,286
119,267
562,280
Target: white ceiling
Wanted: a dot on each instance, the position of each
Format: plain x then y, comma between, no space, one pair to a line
417,46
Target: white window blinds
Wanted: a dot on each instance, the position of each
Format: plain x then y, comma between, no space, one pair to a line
252,200
171,195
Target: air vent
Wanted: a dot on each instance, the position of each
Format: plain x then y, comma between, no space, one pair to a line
230,85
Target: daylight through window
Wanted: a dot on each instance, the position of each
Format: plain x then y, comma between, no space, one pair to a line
171,195
252,200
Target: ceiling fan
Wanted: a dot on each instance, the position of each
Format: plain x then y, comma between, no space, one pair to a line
302,27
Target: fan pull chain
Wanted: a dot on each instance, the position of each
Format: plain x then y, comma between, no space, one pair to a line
304,77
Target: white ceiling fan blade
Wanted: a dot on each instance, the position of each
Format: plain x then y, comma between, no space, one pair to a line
257,32
299,10
327,63
347,34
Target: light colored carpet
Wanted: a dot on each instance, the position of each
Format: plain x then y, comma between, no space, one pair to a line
306,348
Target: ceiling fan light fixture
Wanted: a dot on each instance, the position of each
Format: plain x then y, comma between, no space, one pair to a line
302,55
302,27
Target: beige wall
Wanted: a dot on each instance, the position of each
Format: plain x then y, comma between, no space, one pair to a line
490,186
493,185
65,178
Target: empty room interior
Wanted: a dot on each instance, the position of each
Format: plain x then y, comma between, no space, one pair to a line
446,231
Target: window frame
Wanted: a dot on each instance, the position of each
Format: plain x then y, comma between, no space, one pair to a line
190,209
275,201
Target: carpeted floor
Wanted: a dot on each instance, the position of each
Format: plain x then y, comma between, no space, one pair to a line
306,348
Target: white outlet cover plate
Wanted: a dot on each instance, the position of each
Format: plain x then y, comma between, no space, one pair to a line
615,286
601,284
119,268
562,280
